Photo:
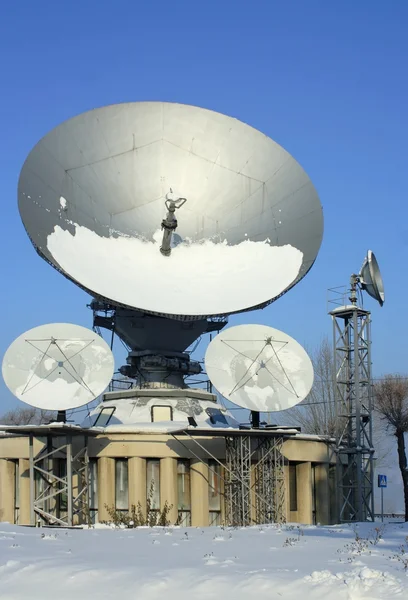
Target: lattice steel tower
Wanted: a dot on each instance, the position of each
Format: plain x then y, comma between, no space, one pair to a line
354,396
353,393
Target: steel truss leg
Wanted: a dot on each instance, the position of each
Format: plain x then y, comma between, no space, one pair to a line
59,482
270,481
262,454
245,454
238,481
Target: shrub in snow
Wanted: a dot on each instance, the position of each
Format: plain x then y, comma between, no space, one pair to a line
136,516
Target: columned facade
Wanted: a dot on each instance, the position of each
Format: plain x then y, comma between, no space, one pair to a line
142,470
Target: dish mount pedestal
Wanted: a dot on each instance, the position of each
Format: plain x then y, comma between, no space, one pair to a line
157,355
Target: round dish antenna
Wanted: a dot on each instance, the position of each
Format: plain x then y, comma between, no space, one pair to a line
99,196
259,368
370,278
58,366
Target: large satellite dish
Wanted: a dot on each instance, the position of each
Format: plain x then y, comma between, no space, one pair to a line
99,196
259,368
370,278
58,366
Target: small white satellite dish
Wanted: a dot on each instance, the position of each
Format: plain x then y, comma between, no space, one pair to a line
58,366
370,278
259,368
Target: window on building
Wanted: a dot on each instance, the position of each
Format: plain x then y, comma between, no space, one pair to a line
104,417
214,492
332,494
293,503
16,492
162,413
93,490
39,484
121,485
153,483
183,491
62,498
214,518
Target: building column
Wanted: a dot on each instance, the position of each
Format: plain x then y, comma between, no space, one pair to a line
222,492
137,482
168,487
332,498
304,493
287,492
106,486
321,479
199,493
7,487
253,497
24,481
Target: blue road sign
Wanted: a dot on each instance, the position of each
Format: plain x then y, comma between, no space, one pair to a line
382,481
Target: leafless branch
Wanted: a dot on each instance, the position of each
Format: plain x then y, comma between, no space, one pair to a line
27,416
316,414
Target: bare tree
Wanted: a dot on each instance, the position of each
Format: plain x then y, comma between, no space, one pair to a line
316,414
27,416
391,402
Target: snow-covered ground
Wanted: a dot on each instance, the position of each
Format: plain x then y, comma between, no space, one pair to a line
267,562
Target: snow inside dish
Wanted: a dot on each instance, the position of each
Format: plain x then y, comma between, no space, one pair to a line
199,278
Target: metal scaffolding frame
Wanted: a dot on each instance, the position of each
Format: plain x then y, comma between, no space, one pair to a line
255,479
254,476
238,501
58,473
270,481
354,406
63,496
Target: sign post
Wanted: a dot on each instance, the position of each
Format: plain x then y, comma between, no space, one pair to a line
382,483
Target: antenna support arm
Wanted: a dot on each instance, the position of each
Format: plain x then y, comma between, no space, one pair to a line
169,223
354,280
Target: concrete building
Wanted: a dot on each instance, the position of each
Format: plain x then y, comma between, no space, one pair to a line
142,447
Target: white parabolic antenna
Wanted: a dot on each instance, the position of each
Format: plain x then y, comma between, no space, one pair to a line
58,366
370,278
259,368
149,204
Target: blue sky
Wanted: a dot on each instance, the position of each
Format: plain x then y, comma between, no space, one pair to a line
328,80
